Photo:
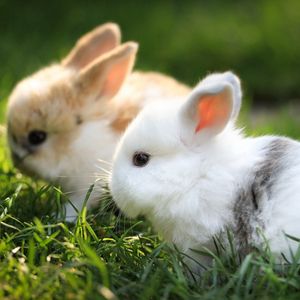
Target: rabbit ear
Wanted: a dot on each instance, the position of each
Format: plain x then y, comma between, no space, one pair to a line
105,76
231,78
93,44
211,105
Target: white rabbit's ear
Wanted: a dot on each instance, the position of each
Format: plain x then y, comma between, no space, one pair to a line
106,75
211,105
93,44
231,78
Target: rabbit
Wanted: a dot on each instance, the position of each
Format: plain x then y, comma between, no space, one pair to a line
185,167
64,121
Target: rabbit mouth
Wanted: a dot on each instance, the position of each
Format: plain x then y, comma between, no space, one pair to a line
20,163
18,159
19,152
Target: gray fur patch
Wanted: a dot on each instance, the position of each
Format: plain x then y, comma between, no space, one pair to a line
248,206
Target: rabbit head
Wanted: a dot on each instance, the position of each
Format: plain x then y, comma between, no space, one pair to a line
51,115
167,165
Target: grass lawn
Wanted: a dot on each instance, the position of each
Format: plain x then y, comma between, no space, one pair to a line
105,257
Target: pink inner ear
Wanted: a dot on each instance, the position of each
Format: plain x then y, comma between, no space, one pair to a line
115,78
213,110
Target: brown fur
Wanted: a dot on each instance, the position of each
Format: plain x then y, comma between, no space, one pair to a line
92,45
124,116
43,110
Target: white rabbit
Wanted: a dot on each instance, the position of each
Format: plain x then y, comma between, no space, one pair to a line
66,117
185,167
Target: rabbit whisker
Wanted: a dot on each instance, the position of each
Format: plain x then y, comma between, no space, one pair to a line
105,162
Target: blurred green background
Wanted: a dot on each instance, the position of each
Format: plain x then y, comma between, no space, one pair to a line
258,39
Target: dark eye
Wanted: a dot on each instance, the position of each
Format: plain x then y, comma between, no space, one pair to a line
37,137
140,159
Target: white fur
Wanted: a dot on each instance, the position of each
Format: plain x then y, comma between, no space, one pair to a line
188,189
81,163
91,156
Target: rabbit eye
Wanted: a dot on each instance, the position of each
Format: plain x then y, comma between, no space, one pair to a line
140,159
37,137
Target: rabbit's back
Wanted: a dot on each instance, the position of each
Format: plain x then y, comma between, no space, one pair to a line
268,203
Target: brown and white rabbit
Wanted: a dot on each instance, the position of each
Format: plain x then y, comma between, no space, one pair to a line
66,117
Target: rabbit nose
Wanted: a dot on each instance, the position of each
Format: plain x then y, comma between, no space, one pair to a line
29,149
26,146
16,157
19,153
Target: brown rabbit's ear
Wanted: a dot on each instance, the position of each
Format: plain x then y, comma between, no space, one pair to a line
105,76
93,44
